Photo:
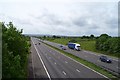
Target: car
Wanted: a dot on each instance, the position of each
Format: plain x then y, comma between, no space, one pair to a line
61,45
63,48
105,59
39,43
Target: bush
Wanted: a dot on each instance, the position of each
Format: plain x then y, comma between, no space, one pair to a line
108,44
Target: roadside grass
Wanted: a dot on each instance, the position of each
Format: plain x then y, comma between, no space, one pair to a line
86,44
89,64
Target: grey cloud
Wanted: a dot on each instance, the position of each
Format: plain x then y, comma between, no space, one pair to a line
112,23
53,19
80,22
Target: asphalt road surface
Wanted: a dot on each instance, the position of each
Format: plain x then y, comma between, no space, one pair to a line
91,57
56,65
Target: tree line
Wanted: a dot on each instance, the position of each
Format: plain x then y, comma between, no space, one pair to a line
15,49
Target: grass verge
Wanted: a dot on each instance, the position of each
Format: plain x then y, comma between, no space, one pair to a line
86,63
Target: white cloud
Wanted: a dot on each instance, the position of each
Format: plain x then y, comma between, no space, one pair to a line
69,17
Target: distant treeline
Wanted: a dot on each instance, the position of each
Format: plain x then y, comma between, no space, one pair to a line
15,49
55,36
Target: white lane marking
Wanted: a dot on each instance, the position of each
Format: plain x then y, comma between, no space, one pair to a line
55,63
42,61
64,73
66,62
77,70
81,64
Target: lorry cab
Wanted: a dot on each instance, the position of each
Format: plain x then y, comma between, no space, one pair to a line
77,47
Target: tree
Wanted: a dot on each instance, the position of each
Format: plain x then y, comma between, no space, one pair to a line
14,52
91,36
108,44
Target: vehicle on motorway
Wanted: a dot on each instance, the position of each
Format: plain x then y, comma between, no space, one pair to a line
105,59
74,46
63,47
39,43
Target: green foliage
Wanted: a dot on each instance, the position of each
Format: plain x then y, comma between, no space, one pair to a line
108,44
15,48
73,41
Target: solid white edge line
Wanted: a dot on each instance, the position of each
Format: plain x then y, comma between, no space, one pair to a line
81,64
41,61
64,73
77,70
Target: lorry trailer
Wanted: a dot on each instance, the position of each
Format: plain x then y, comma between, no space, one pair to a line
74,46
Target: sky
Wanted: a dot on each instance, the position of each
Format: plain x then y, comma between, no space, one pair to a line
62,17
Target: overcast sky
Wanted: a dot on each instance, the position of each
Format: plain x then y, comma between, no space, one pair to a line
62,17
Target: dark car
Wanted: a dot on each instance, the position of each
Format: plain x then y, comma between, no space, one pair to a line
39,43
61,45
105,59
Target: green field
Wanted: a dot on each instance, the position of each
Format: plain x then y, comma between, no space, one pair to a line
86,44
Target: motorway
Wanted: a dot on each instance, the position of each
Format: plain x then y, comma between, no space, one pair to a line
53,64
91,57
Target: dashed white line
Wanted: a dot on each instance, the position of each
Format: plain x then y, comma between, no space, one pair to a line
64,73
81,64
66,62
55,63
77,70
